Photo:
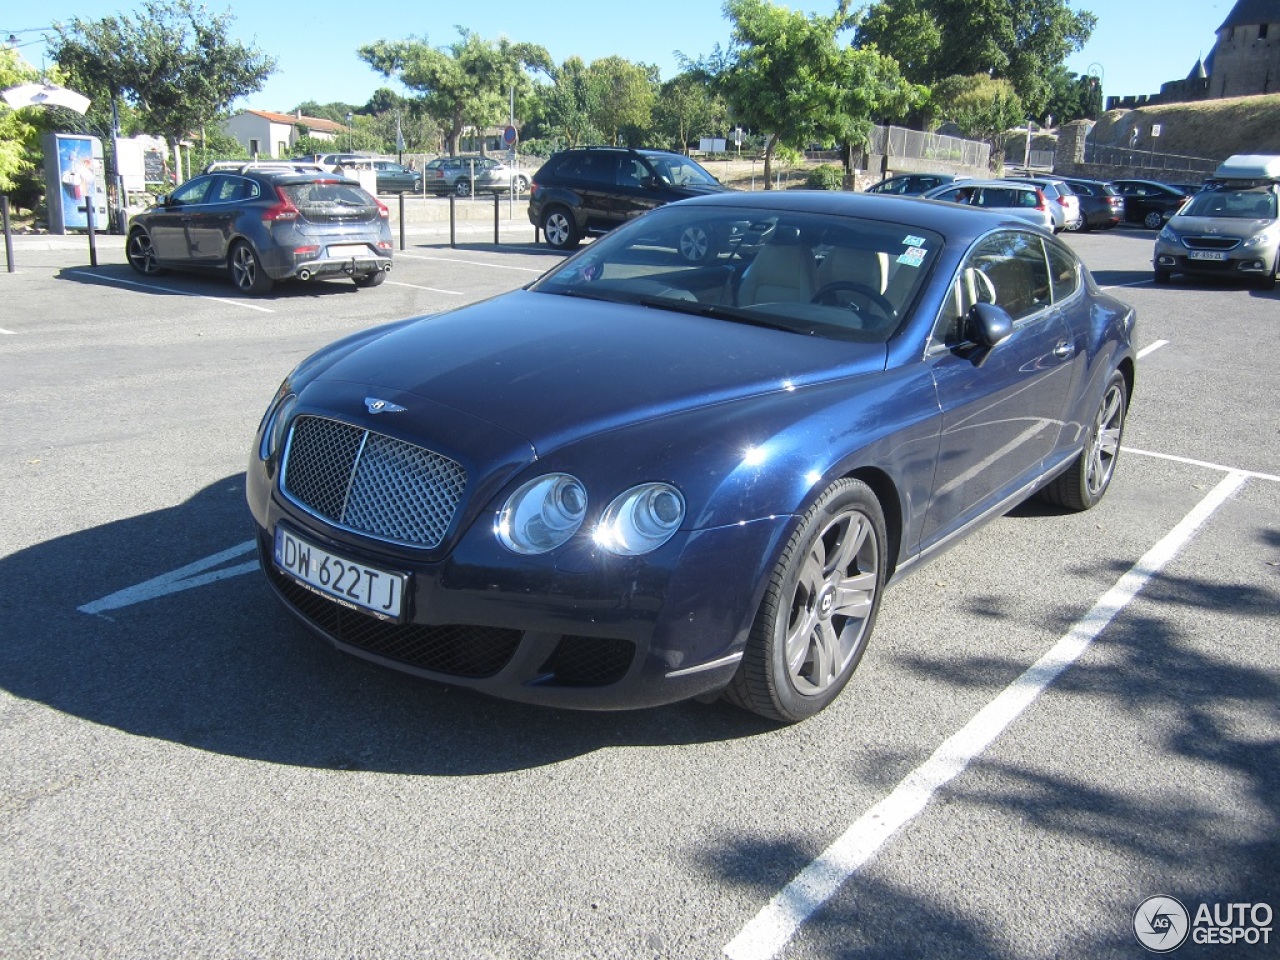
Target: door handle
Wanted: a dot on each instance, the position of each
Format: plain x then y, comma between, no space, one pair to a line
1064,349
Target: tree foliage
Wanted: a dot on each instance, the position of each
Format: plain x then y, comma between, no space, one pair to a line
19,129
1018,40
688,108
174,61
568,103
466,84
982,107
622,98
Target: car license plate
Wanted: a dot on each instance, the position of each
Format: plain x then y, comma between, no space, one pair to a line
348,250
1206,255
356,586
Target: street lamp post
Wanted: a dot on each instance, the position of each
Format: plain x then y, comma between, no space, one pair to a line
351,134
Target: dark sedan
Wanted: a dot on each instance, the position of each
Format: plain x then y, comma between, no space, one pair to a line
644,479
1101,205
1150,203
261,225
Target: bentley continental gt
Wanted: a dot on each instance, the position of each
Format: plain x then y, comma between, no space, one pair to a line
642,479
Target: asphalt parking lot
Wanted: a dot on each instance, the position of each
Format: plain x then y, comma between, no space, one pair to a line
1060,718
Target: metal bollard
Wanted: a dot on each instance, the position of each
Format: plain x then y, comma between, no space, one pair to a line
496,241
453,221
402,221
93,239
8,233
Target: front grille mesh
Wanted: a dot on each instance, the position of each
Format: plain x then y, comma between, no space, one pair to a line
461,651
1211,243
371,483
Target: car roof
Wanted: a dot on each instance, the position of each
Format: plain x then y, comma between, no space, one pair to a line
954,221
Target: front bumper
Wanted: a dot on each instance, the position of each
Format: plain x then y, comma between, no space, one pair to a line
574,629
1240,262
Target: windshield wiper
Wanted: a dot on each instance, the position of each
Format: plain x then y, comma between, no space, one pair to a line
718,312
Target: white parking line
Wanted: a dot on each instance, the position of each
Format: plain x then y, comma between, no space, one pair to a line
470,263
177,580
415,286
10,333
156,286
765,935
1152,348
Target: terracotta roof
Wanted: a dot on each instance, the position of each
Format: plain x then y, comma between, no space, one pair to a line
313,123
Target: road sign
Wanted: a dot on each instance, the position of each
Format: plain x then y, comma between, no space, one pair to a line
510,135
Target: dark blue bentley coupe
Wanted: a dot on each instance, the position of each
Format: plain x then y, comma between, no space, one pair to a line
644,478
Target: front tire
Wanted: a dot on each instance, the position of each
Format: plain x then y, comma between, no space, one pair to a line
1085,482
142,255
819,609
559,229
247,272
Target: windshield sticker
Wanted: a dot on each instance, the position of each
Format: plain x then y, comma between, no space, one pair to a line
913,257
913,241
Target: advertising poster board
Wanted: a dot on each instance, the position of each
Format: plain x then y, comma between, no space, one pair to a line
74,177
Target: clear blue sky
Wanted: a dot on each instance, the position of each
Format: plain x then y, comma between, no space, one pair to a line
1137,46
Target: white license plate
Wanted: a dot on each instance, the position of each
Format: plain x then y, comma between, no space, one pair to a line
348,250
357,586
1206,255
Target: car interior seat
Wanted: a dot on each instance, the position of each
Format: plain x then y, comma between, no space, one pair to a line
783,270
865,267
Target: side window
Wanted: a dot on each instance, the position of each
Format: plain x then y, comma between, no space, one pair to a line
631,171
193,192
1006,268
1064,272
233,189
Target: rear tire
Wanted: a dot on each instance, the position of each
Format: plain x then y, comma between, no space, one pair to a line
247,272
559,229
819,608
1085,482
369,279
1154,220
462,188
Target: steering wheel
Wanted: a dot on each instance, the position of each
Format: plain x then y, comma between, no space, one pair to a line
823,296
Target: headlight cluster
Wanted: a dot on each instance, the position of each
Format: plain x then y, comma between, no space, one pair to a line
544,513
1168,236
1265,238
276,421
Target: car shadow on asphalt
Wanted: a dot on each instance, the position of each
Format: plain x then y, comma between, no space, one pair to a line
211,284
223,667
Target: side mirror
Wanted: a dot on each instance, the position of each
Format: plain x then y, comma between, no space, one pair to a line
162,200
650,183
989,325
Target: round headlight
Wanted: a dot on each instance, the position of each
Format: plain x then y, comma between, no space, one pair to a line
641,520
277,423
542,514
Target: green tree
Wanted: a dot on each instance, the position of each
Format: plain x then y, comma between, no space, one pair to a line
782,72
465,84
1018,40
688,108
871,88
567,103
1072,97
623,95
982,107
19,129
174,61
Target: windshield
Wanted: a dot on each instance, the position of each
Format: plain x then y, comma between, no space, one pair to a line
842,278
1236,204
681,170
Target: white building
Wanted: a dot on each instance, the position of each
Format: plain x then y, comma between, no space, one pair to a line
271,136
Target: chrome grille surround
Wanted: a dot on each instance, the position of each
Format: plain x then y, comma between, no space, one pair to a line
370,483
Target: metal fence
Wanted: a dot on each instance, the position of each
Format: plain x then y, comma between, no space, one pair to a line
1132,157
900,142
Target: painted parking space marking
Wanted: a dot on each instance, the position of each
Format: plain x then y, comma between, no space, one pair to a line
4,332
184,578
1152,348
417,286
156,286
774,926
470,263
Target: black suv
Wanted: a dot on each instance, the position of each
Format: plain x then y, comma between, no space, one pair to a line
593,189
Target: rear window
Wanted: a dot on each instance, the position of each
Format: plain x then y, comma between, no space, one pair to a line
326,196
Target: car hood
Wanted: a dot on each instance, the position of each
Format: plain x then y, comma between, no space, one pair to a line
1220,226
553,369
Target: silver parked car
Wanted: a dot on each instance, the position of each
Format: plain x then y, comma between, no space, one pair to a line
458,175
1023,200
1225,231
1063,202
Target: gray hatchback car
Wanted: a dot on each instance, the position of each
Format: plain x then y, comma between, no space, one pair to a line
262,226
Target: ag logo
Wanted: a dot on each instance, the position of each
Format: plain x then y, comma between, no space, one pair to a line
1161,924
